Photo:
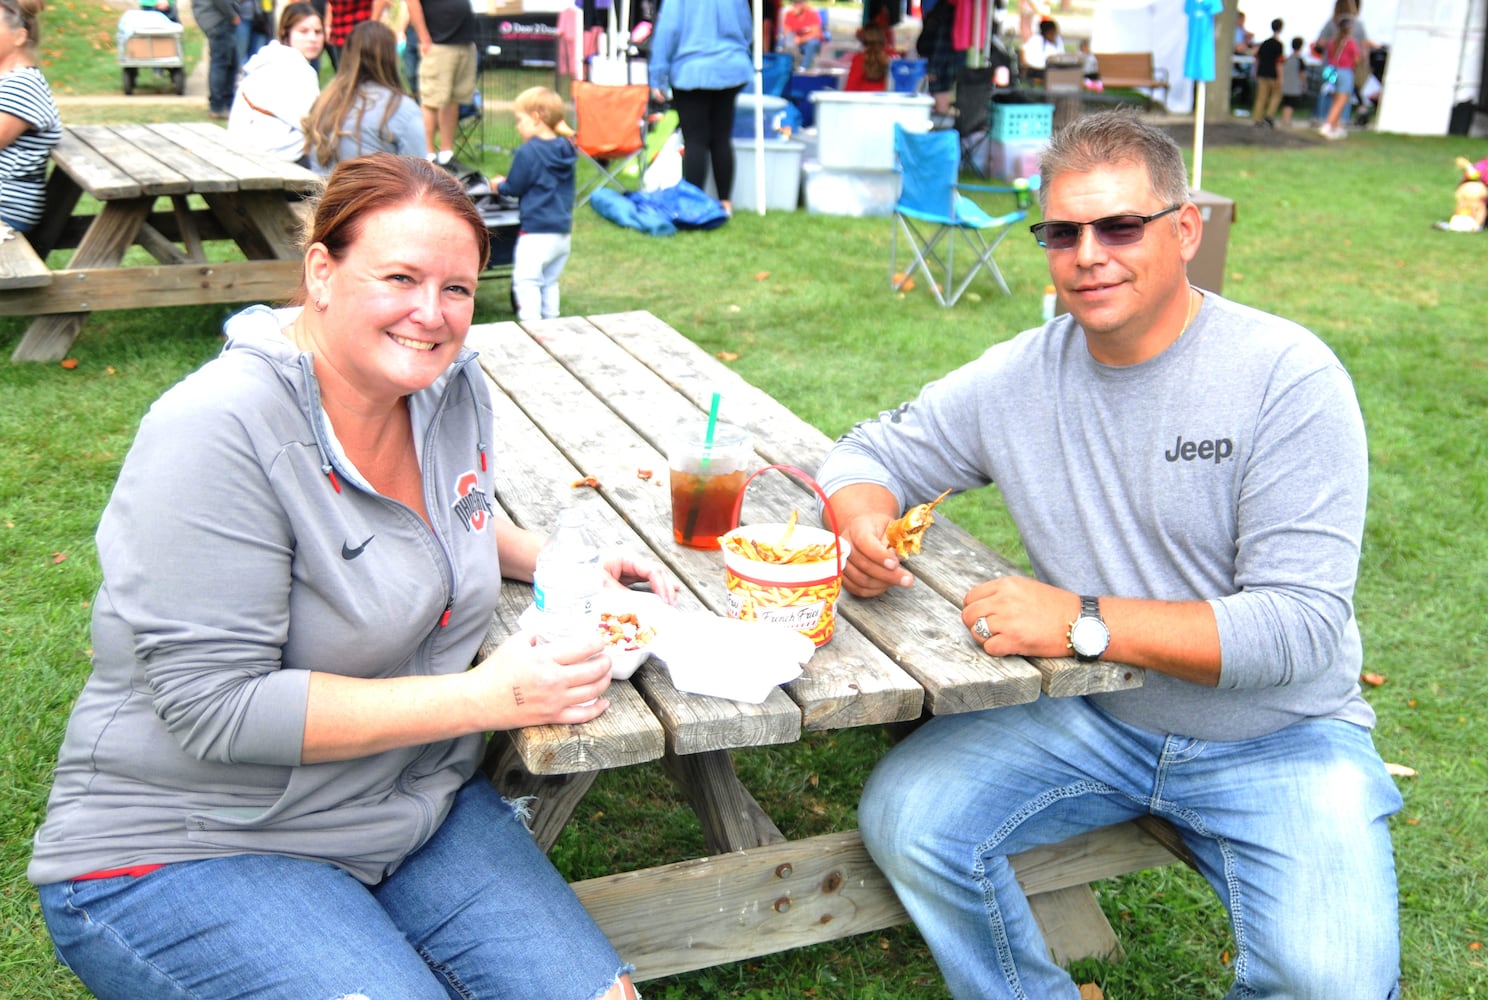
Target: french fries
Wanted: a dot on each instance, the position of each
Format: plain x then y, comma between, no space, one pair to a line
907,533
780,553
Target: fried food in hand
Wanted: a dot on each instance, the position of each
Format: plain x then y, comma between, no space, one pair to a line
907,534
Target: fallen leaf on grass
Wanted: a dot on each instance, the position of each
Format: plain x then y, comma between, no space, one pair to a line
733,309
59,557
1373,679
69,363
588,481
762,275
1400,770
111,370
1475,946
726,356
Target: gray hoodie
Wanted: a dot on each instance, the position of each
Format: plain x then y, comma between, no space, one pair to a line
240,551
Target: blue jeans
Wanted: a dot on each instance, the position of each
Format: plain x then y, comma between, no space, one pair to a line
1290,829
222,69
478,911
537,263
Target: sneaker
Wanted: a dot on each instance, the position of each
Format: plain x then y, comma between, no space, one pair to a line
1325,130
1338,133
218,115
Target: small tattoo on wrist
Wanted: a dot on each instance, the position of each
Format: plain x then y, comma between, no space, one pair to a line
517,694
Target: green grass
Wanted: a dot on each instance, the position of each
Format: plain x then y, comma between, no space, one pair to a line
1336,236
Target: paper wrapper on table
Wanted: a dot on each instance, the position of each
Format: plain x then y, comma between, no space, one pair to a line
728,658
650,611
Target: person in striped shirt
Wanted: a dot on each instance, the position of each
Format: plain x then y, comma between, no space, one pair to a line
29,123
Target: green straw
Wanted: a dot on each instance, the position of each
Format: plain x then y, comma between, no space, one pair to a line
712,426
702,483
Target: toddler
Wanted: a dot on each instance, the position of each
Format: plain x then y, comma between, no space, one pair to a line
542,181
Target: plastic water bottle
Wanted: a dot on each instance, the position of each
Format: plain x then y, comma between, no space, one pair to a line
1051,302
568,578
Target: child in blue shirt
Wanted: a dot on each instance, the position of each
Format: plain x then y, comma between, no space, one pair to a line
542,181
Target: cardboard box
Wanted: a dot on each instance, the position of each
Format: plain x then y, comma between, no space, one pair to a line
152,47
855,130
856,193
1206,270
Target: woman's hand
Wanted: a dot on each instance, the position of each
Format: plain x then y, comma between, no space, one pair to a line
527,683
625,569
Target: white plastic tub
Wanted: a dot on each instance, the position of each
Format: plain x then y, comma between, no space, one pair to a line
855,130
782,175
856,193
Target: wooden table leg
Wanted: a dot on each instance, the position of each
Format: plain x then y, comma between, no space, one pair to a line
557,795
732,820
113,231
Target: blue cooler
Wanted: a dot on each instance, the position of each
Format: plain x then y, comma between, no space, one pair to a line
905,75
802,86
781,118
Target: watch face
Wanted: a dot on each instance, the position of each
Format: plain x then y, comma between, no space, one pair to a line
1089,636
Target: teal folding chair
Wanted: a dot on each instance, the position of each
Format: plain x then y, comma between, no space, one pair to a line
937,220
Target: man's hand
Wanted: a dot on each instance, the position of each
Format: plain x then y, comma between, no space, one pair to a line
863,511
1024,617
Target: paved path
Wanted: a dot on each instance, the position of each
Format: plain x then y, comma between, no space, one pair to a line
196,80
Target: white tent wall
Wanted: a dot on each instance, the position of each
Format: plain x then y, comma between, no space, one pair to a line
1161,27
1435,63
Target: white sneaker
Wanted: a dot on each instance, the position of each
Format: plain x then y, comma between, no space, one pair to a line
1338,133
1325,130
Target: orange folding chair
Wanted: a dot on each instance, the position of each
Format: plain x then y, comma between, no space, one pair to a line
611,133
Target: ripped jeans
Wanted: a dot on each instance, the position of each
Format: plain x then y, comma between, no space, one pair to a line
1290,829
478,911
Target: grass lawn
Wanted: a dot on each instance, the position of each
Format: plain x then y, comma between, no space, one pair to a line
1336,236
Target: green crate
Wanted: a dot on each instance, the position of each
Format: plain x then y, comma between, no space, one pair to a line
1022,121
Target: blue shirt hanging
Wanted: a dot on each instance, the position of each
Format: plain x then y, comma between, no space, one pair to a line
1198,61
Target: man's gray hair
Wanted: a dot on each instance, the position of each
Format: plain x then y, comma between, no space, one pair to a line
1107,138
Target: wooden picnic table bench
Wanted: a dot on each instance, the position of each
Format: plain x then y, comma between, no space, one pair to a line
208,187
596,397
1131,69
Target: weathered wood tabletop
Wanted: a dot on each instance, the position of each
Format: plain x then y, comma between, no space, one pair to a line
213,188
596,397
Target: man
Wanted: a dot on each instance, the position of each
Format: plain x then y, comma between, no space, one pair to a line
344,16
1188,476
801,32
218,20
447,67
1269,57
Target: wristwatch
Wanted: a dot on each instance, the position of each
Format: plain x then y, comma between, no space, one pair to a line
1088,634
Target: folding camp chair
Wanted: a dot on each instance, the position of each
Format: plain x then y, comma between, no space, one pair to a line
470,129
611,133
934,217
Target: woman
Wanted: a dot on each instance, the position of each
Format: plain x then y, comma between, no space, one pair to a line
279,86
364,109
869,68
1343,10
29,123
269,783
1341,53
700,51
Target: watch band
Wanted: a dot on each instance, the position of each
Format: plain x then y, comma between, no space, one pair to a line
1090,606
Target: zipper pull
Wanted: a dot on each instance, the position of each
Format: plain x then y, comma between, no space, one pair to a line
449,606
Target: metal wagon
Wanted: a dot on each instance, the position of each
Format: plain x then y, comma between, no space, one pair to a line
150,40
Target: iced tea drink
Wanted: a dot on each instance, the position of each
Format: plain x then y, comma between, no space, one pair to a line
705,481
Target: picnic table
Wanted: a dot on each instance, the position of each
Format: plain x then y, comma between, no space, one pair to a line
216,190
595,397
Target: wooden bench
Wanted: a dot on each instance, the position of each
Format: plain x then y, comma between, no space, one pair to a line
20,265
1131,69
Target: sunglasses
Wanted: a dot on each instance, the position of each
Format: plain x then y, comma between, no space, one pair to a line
1112,231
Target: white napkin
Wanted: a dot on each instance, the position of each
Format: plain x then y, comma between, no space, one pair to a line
728,658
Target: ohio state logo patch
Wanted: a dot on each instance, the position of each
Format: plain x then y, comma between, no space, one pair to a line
472,506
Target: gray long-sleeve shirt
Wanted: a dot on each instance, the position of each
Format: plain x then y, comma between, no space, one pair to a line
241,551
1232,468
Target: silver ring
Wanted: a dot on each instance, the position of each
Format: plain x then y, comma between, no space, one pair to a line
980,628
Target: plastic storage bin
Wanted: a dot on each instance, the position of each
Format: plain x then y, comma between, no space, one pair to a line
803,85
855,131
1009,160
856,193
1022,121
782,175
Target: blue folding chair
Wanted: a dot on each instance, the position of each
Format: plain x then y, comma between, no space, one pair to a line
934,216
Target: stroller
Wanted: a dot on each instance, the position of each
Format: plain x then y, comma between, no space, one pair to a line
150,40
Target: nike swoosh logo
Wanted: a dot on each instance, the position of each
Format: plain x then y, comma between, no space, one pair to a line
347,552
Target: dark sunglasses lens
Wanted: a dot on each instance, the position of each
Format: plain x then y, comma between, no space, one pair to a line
1060,235
1119,230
